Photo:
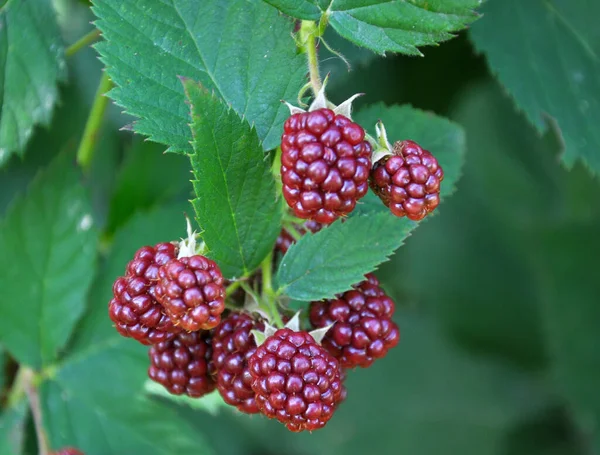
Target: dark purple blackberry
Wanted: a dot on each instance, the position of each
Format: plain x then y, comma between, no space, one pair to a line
183,365
408,182
134,309
363,329
296,381
192,291
325,164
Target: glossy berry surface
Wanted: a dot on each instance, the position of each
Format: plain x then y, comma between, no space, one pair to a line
408,182
183,365
233,344
296,381
67,451
285,239
362,326
192,291
134,309
325,164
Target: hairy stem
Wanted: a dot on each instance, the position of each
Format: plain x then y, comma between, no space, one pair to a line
85,153
36,410
82,42
309,33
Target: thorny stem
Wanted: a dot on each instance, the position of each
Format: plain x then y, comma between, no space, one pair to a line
82,42
309,33
36,410
268,295
85,152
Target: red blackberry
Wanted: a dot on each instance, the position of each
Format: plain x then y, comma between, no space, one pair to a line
363,329
233,344
325,164
192,292
285,239
134,308
408,182
182,365
67,451
295,380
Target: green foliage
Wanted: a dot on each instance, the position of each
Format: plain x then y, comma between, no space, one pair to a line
241,50
31,64
235,190
12,428
388,26
549,63
48,243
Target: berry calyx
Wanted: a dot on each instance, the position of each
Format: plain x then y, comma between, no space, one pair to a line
192,291
362,328
134,308
408,181
296,381
233,344
183,365
285,239
325,164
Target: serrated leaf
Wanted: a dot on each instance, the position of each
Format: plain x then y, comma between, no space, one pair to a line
235,190
321,265
12,423
546,54
443,138
242,50
47,262
301,9
31,64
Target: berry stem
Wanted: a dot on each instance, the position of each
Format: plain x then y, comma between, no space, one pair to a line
82,42
309,33
85,153
36,410
268,295
232,288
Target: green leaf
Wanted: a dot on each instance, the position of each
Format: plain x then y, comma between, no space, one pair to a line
319,266
569,288
240,50
550,64
147,177
12,427
47,261
235,204
212,403
301,9
31,64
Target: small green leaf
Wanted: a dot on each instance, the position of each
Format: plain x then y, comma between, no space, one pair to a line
31,64
12,427
321,265
212,403
47,262
301,9
241,50
235,204
549,62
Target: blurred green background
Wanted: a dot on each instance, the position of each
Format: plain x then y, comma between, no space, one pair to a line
498,294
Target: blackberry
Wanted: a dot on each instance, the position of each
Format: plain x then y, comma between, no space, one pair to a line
134,309
233,344
285,239
325,164
408,182
295,380
363,329
192,291
183,365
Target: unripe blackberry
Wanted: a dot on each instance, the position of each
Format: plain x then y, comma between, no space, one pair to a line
233,344
325,164
134,309
285,239
363,329
192,291
408,182
183,365
296,381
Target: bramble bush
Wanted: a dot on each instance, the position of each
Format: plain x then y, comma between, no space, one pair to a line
202,204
